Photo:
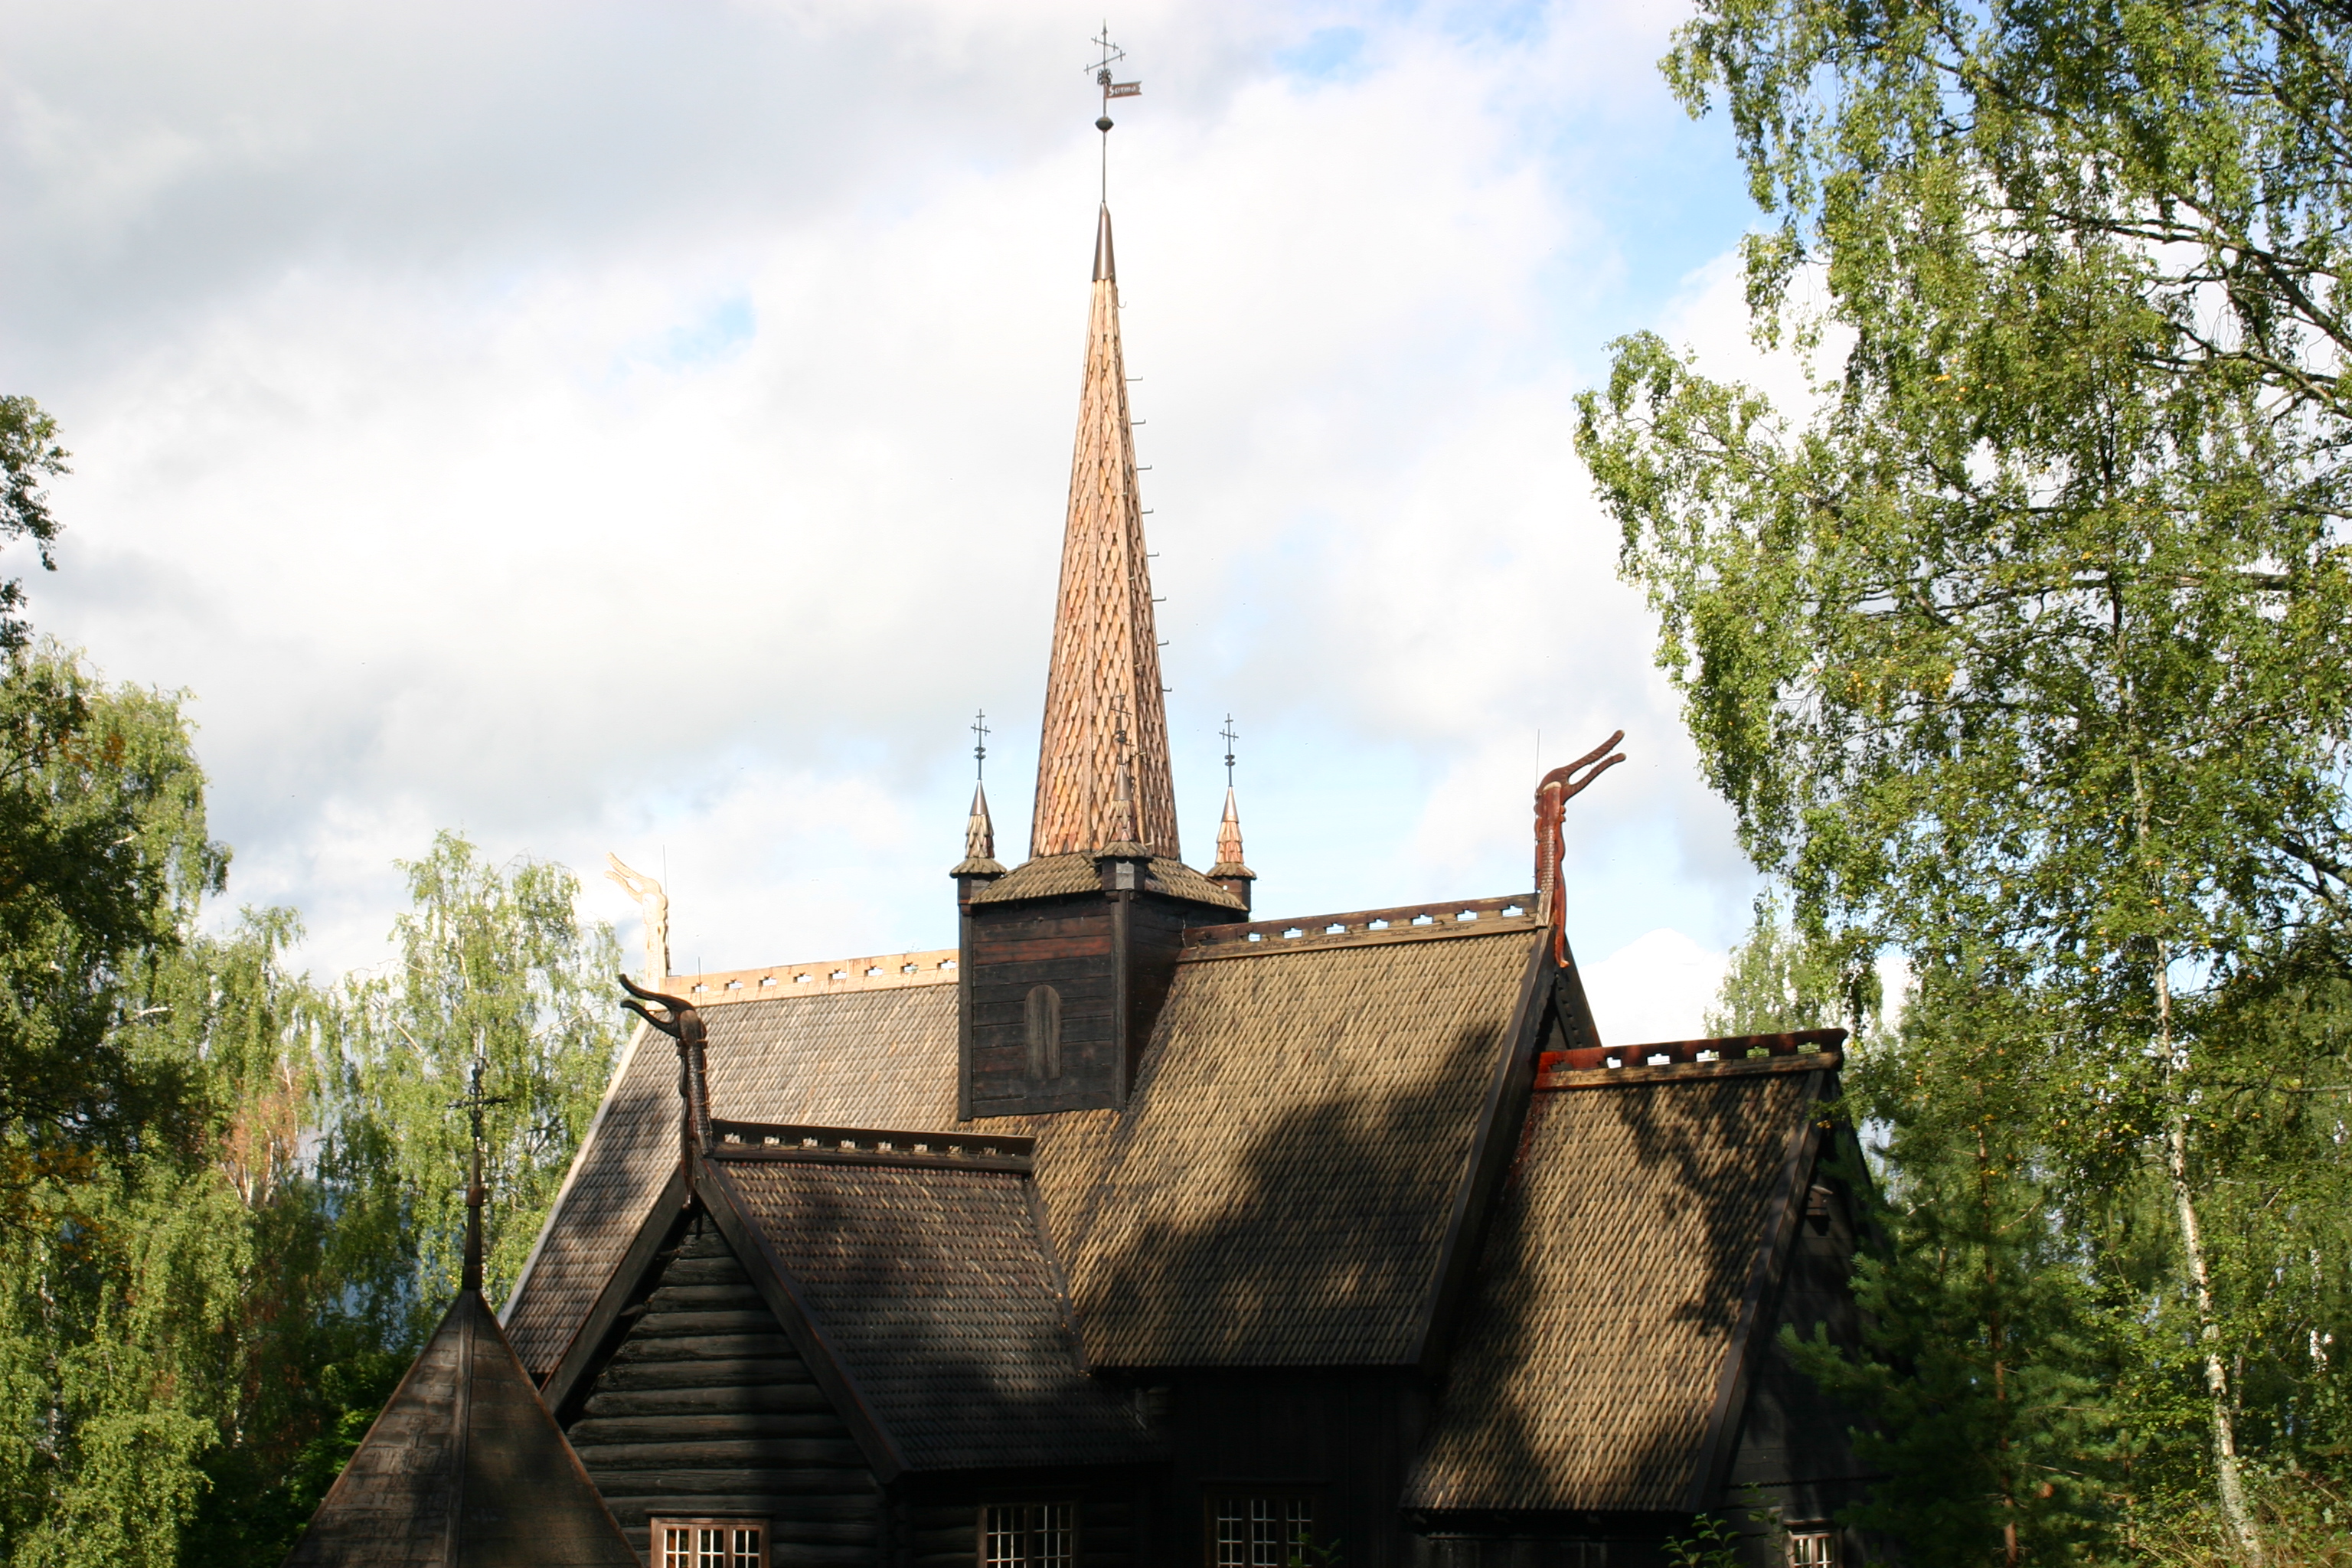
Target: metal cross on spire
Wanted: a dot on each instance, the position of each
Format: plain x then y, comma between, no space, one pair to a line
473,1102
1231,735
979,734
1111,54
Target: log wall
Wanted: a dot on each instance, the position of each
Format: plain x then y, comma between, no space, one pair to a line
707,1408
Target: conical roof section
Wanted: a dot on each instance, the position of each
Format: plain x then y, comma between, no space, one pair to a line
465,1468
1102,699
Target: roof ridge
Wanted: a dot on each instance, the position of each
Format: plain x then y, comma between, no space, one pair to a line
817,977
1449,917
869,1146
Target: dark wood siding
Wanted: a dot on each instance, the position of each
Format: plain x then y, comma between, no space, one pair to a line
707,1408
1343,1437
1066,943
1795,1454
942,1517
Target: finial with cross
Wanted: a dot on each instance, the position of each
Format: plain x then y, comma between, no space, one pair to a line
979,734
474,1101
1231,735
1119,713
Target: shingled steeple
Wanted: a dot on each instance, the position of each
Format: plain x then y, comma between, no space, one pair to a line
1104,703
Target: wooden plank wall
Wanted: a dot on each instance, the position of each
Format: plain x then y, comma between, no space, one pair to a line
1345,1436
707,1408
943,1522
1066,944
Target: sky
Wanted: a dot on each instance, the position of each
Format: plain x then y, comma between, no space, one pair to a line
644,425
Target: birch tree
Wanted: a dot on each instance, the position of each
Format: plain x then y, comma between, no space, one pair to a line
2029,648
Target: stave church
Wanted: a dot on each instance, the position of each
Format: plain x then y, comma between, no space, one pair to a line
1138,1231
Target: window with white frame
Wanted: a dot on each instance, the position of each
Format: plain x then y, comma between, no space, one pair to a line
710,1542
1260,1530
1028,1535
1812,1546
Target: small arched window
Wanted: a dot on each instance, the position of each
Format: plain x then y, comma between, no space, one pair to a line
1044,1032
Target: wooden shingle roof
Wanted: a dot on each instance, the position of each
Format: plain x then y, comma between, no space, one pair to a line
1277,1193
1051,876
929,1284
464,1468
1279,1190
1631,1257
872,1058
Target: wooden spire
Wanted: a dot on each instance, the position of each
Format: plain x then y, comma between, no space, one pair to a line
1103,705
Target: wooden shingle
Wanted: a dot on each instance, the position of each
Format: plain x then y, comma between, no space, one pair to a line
1616,1284
464,1468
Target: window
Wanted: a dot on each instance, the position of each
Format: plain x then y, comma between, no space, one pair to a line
1812,1546
1045,1030
1028,1535
710,1542
1260,1532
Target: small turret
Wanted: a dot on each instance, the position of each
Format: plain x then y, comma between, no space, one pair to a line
1230,872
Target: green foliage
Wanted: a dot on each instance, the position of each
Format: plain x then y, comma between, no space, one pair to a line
492,965
1711,1543
229,1202
103,860
1780,979
1988,1350
2025,647
29,453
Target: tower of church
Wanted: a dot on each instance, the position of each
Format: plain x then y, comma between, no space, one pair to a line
1063,961
1105,711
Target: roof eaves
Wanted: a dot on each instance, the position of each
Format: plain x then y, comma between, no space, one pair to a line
623,1286
783,1293
1713,1461
580,1156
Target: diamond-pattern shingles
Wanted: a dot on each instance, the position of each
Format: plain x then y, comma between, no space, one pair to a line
1607,1293
937,1290
875,1058
1104,677
1277,1193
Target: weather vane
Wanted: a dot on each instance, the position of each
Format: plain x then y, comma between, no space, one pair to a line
980,743
1101,69
1231,735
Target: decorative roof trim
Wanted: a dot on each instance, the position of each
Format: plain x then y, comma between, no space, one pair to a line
1550,1077
869,1146
826,977
1590,1067
1361,927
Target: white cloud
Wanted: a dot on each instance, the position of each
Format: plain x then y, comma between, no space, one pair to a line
1656,987
643,427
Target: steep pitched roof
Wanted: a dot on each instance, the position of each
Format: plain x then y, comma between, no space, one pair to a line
1279,1191
1628,1264
1104,710
464,1468
872,1059
926,1281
